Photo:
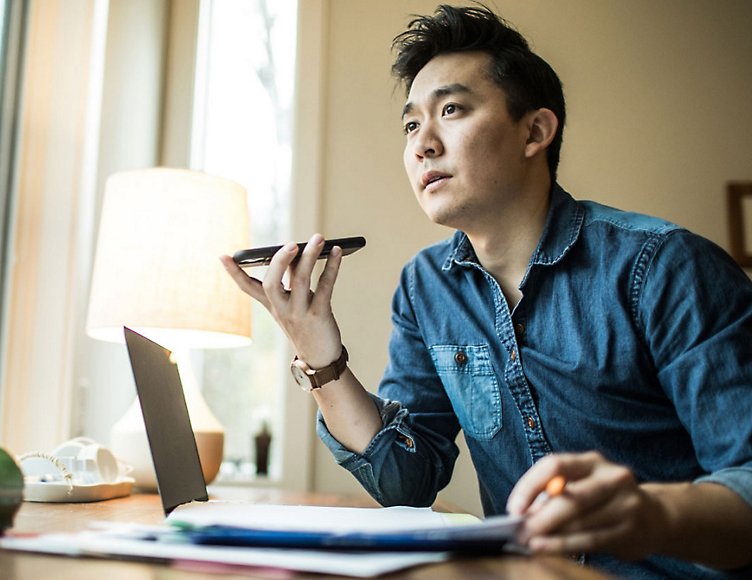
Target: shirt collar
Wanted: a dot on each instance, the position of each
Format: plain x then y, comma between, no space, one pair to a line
462,252
563,225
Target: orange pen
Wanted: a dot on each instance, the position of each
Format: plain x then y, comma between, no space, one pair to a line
555,486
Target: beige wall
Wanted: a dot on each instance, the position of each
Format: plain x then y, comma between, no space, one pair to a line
659,120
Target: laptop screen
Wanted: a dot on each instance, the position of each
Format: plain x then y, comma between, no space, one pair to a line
168,425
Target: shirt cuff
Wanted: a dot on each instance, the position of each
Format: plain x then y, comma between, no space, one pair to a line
392,418
393,430
737,479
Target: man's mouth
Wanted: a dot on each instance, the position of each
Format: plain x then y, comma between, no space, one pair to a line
432,177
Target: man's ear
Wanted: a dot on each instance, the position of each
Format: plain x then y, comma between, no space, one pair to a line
542,125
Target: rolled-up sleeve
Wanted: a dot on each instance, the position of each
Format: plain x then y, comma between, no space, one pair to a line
738,479
412,458
696,309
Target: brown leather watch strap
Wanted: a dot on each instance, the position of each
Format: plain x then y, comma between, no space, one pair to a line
317,378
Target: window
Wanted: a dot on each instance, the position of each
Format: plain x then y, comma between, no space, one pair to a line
242,130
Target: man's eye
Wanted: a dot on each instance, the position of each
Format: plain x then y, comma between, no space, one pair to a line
410,127
450,108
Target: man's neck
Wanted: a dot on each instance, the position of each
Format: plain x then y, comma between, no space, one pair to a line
505,250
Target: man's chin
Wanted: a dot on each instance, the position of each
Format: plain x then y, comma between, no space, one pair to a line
445,218
443,212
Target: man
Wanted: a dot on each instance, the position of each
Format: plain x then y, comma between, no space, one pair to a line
564,338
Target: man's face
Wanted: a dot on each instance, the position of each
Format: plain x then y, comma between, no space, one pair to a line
464,154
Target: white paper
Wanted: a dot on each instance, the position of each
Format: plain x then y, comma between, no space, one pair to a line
166,542
103,544
306,518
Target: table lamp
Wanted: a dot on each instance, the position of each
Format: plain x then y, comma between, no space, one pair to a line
157,271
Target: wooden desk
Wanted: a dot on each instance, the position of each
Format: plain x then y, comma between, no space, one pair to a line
147,509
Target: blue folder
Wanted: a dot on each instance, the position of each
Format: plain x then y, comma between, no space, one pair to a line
488,536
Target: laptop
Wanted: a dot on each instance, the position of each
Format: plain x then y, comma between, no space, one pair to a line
168,425
181,481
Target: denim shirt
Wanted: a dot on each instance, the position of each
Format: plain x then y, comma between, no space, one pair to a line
632,337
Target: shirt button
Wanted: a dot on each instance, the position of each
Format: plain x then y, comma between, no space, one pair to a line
406,440
513,356
531,422
460,358
519,328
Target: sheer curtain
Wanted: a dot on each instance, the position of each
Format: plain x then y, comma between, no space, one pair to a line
64,147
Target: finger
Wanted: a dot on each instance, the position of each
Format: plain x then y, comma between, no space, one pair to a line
577,543
300,276
534,481
606,480
610,514
325,288
618,540
246,283
609,495
572,513
273,285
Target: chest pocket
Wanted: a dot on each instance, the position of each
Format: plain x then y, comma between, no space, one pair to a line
470,383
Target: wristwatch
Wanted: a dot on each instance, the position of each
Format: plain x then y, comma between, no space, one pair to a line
310,379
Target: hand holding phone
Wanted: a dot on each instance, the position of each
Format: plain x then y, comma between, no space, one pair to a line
262,256
300,305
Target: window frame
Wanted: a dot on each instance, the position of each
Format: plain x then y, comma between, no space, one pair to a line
12,34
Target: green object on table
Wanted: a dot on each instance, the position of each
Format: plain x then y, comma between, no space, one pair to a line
11,489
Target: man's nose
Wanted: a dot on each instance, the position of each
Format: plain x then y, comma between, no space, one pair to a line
428,144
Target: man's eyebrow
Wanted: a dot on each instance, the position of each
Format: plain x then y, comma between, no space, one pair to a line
453,89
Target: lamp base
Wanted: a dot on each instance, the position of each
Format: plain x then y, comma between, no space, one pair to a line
129,442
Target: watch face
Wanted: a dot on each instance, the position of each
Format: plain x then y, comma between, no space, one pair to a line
300,375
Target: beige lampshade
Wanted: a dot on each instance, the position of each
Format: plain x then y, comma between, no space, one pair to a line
157,261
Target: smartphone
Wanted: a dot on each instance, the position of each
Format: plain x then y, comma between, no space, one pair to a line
262,256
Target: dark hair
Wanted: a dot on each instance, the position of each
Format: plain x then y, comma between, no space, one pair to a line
527,80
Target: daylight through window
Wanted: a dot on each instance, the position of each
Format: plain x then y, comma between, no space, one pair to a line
242,131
